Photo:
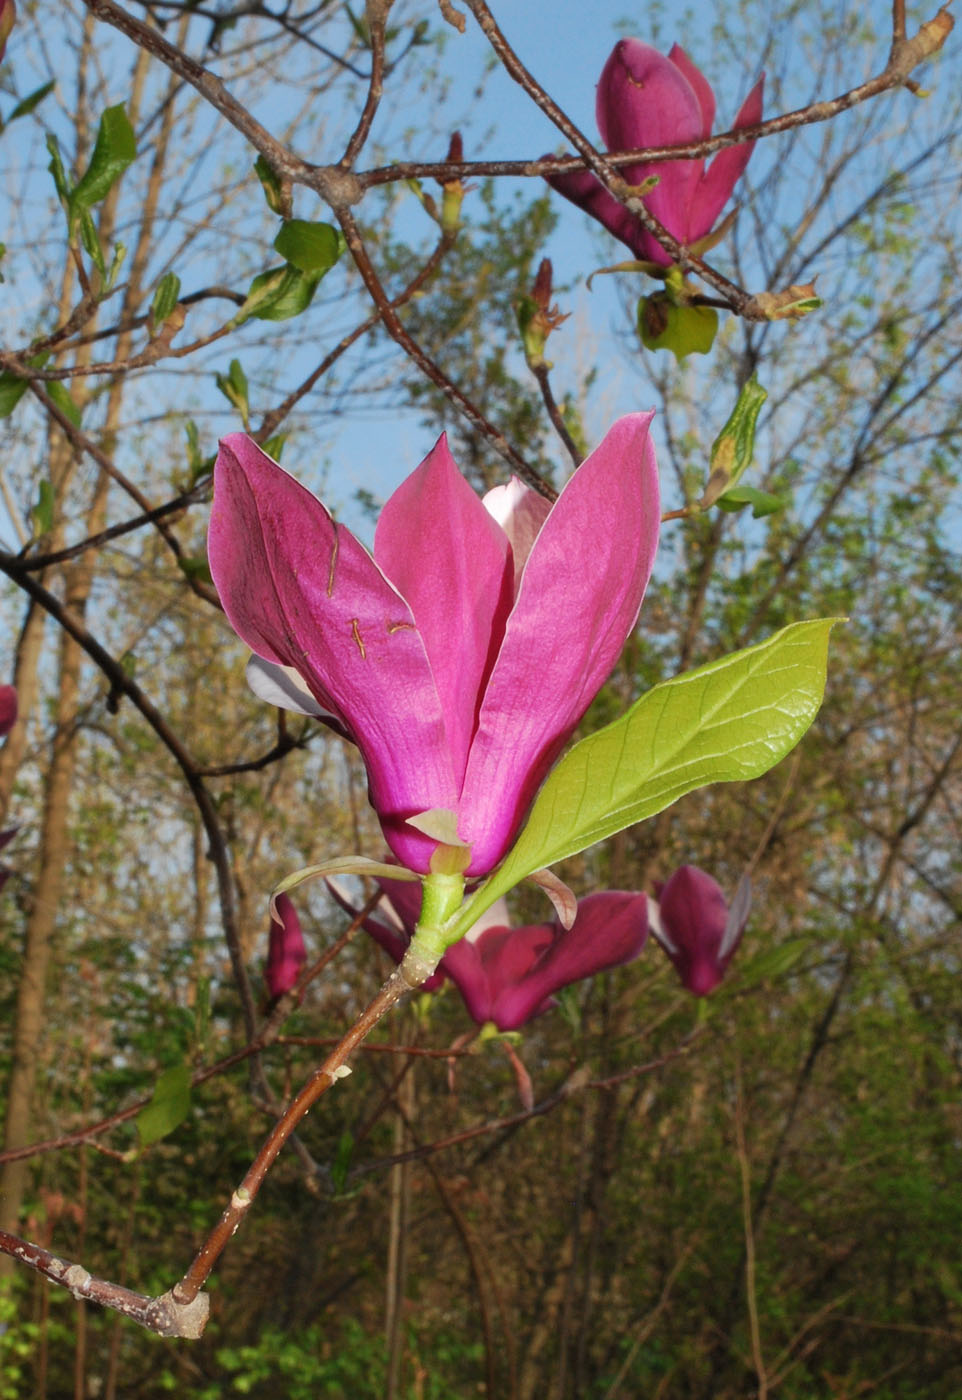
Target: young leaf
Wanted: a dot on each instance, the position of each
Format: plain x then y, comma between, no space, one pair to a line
59,394
270,184
684,330
311,248
114,149
725,722
32,100
278,294
165,298
12,390
761,502
168,1107
233,385
56,168
42,513
734,447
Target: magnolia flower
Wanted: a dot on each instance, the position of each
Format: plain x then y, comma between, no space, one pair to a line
462,655
644,100
696,928
8,15
286,953
510,975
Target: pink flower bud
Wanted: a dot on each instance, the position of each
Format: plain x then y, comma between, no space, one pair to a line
645,100
286,953
696,928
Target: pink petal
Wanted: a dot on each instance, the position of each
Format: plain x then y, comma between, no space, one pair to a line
521,513
579,599
287,953
694,915
302,592
699,85
715,187
646,99
585,190
610,929
449,559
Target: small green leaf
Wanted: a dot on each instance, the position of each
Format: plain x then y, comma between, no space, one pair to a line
168,1107
684,330
90,239
761,502
311,248
32,100
734,447
165,298
774,962
114,149
277,295
233,385
195,567
270,184
59,394
42,513
725,722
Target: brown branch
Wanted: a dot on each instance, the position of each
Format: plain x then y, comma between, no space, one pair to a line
37,562
541,373
376,13
397,331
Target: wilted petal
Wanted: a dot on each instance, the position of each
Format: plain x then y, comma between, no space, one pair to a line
449,559
302,592
579,598
610,929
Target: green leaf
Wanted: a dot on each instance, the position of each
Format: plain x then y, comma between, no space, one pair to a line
233,385
12,390
32,100
278,295
114,149
165,298
684,330
42,513
311,248
761,502
270,184
59,394
734,447
90,239
56,168
774,962
195,567
168,1107
725,722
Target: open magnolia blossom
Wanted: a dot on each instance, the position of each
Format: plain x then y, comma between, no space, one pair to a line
506,975
692,921
286,953
462,655
644,100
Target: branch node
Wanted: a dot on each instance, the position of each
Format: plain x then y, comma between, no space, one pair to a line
172,1319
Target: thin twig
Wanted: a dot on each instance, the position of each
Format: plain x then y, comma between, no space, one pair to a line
540,373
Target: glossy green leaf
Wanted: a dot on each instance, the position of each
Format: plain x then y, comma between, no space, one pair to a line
114,149
311,248
168,1107
725,722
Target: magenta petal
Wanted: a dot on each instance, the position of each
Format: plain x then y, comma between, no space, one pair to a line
462,963
587,191
700,86
448,557
286,953
302,592
715,187
694,915
610,929
8,708
579,599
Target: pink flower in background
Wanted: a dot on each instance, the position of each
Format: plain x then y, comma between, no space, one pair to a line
8,15
462,655
645,99
693,923
8,708
510,975
286,954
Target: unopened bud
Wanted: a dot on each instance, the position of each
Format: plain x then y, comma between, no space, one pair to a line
454,190
537,318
